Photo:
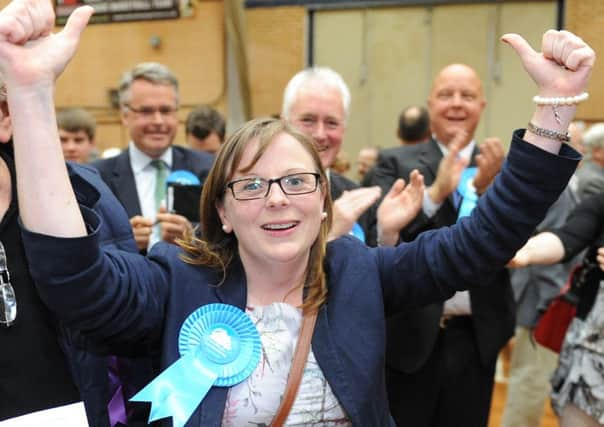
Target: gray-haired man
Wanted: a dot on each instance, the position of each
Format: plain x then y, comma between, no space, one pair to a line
149,102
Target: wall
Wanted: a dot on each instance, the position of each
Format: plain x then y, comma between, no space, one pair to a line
276,43
586,18
387,55
390,56
193,47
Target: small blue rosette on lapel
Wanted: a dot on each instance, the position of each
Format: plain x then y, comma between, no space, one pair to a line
467,191
219,346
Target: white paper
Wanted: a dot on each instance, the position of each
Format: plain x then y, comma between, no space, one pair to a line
73,415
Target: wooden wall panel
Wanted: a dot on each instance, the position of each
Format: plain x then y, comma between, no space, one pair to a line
586,18
276,51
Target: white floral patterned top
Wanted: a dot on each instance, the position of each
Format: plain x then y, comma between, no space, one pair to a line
254,402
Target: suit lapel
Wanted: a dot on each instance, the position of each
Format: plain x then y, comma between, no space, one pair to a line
124,186
234,289
430,157
178,160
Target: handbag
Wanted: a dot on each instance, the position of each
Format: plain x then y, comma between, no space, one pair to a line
553,323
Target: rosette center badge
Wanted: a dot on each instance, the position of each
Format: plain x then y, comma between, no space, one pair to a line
221,344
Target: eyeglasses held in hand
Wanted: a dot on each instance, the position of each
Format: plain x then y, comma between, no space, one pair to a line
258,188
8,301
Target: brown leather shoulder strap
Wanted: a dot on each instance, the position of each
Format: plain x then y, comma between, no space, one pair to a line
296,370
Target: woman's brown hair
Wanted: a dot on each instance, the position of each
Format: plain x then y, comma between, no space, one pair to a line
217,249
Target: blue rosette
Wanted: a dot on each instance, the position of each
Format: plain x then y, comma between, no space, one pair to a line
219,346
467,191
357,231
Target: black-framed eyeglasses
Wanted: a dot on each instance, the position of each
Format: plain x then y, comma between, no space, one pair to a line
8,301
148,112
258,188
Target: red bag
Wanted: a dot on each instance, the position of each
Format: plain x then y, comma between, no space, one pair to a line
552,325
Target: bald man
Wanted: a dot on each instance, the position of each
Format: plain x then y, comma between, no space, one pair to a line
441,358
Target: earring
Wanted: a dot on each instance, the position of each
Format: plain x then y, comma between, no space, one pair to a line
226,228
323,216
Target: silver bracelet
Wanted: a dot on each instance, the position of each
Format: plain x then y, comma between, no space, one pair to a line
548,133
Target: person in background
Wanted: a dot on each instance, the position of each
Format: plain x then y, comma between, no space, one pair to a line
448,357
413,125
77,128
365,161
531,365
413,128
205,129
341,165
149,101
577,381
44,363
590,176
316,101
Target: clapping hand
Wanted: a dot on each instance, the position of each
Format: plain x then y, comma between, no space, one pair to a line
349,207
449,171
399,207
489,162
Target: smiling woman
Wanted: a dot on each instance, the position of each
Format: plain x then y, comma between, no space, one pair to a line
274,228
264,261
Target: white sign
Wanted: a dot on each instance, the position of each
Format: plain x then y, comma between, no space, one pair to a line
72,415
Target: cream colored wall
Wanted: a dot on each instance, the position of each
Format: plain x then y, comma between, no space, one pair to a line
389,56
276,39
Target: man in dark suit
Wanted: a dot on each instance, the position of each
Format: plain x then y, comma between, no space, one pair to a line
441,358
148,96
316,101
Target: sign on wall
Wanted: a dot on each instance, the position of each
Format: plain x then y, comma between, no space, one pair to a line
106,11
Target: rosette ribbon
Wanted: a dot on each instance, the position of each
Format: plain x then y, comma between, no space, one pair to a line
219,346
467,191
357,232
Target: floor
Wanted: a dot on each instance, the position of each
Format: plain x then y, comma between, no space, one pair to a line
499,394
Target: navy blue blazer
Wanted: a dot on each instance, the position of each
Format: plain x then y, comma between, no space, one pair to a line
118,175
121,297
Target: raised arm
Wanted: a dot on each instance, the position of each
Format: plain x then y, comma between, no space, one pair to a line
31,59
560,70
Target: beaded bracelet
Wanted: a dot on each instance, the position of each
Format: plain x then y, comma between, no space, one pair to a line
556,101
548,133
561,100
